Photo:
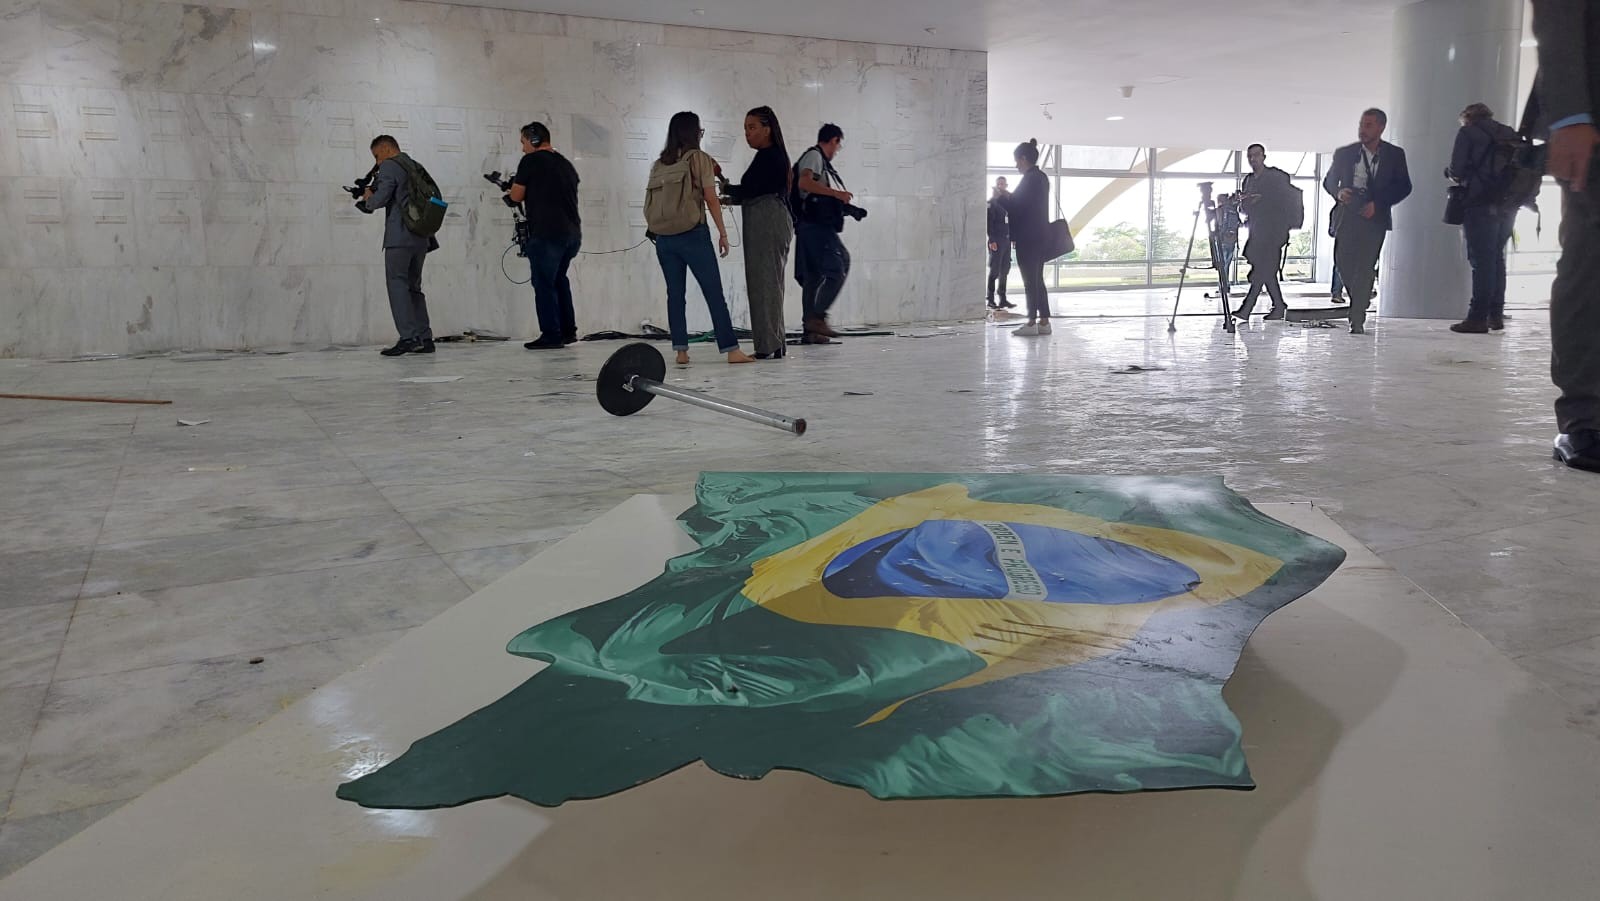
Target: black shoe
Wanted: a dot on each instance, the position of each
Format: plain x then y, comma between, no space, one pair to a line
993,305
402,347
571,338
1471,327
425,346
544,344
1275,316
1497,323
1358,329
1579,450
1006,304
811,338
774,355
1242,315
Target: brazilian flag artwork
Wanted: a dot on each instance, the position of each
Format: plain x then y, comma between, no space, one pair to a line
916,636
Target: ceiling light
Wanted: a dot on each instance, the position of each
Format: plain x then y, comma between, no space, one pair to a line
1114,118
1531,42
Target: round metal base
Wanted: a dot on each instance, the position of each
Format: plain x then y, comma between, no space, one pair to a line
612,386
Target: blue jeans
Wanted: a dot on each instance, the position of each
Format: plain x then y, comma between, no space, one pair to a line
548,260
692,252
1338,283
1486,230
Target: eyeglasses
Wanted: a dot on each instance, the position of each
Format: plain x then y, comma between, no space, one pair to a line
702,132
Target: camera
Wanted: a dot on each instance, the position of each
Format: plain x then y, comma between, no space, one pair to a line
500,181
361,184
829,211
358,188
519,225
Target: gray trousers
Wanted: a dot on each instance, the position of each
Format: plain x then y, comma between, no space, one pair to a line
1264,252
768,233
1355,255
402,273
1575,312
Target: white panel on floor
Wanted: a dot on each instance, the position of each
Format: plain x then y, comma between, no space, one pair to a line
1398,756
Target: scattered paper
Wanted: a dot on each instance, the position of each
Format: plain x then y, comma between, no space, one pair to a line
215,468
1134,369
858,394
193,421
432,379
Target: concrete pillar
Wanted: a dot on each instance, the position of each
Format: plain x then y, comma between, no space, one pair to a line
1447,54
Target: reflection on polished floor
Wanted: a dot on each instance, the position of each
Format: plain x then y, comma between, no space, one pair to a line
327,506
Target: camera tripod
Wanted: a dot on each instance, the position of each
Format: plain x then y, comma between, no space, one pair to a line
1215,237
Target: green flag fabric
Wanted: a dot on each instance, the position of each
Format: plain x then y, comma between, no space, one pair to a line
913,635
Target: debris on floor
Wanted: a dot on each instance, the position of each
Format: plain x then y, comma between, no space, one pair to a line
431,379
1133,369
193,421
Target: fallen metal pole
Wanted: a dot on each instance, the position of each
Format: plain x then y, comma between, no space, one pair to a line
86,400
707,402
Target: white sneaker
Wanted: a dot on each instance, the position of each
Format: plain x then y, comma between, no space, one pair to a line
1030,331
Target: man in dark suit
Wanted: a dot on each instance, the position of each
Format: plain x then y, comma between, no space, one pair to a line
1567,93
999,246
1367,178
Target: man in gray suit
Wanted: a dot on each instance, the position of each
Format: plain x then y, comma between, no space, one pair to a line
403,251
1567,96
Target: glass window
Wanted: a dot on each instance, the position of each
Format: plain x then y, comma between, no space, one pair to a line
1298,165
1181,160
1000,155
1115,159
1109,217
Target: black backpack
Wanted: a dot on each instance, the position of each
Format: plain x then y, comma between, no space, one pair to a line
1519,165
423,213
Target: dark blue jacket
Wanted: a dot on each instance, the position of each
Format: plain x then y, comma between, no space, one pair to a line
1393,179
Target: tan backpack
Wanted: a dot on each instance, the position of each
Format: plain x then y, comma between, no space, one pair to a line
673,203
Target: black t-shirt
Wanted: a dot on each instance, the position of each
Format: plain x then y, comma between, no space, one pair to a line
551,198
768,174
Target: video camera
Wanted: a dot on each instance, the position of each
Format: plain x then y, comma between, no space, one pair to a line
519,225
504,184
360,187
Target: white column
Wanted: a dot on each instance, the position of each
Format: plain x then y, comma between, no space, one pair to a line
1447,54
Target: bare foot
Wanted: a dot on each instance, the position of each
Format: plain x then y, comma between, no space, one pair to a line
683,358
739,356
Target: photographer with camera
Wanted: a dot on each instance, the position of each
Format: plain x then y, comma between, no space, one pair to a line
392,186
1367,178
820,203
1267,200
546,184
1482,150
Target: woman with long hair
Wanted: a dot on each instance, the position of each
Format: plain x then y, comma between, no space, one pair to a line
1028,210
690,251
768,229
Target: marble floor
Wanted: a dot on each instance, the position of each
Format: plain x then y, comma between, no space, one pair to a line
163,588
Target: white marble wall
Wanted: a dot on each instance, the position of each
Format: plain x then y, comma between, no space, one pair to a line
169,172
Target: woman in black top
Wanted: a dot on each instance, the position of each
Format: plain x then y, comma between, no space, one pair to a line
1028,209
768,230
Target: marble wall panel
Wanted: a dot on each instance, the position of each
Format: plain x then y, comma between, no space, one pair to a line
170,223
169,171
21,34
